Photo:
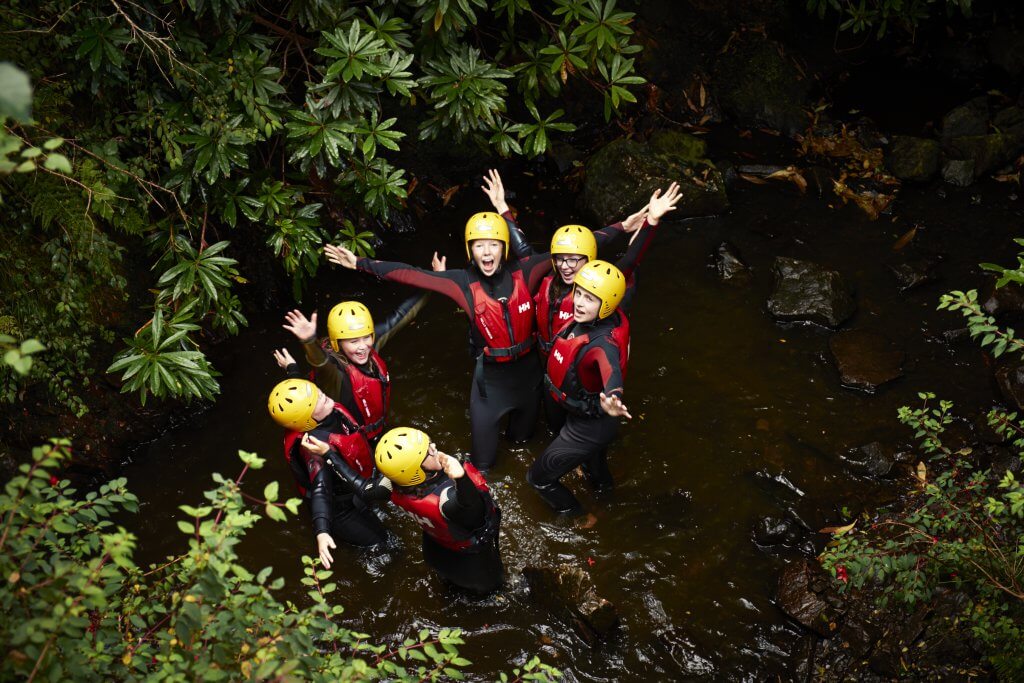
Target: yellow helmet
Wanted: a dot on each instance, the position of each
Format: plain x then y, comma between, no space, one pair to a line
348,320
574,239
291,404
604,281
486,225
400,454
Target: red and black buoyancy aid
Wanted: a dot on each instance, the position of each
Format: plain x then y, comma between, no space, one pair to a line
425,508
507,327
562,376
352,446
550,319
372,395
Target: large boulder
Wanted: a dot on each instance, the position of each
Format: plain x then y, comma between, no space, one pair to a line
914,159
622,175
866,360
570,593
970,118
806,291
757,86
989,152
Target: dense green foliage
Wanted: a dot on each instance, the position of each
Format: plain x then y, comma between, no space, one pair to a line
77,607
199,129
878,15
964,529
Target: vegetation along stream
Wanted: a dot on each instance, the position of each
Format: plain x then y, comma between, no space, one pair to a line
841,171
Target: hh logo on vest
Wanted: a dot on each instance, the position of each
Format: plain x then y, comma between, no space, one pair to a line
564,315
523,307
422,521
559,357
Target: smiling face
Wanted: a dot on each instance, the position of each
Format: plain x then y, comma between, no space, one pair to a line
568,265
324,406
357,350
584,306
487,255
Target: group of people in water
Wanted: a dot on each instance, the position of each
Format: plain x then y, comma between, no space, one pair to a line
546,329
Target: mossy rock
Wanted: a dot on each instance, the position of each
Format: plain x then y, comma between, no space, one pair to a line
622,175
989,152
915,159
757,86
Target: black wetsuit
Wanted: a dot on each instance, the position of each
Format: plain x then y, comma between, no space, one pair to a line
584,437
338,498
499,388
557,290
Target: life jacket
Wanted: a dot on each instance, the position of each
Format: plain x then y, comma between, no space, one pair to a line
562,376
372,395
507,327
353,447
425,508
551,320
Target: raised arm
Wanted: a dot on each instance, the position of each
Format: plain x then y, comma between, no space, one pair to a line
399,318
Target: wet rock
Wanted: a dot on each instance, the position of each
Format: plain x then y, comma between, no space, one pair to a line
1009,120
1005,302
806,291
913,159
913,273
564,155
769,531
570,592
757,86
684,652
970,118
873,459
1010,380
622,175
804,595
1006,50
959,172
866,360
989,152
730,266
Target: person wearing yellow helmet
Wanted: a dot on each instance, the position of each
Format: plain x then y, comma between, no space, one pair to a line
495,294
348,365
451,503
330,460
586,371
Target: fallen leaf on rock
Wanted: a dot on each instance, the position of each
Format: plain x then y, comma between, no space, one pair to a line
753,179
838,530
792,175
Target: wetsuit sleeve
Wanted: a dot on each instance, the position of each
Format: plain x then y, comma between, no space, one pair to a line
319,492
466,507
603,360
330,376
451,283
402,316
630,261
293,371
609,234
535,268
518,245
370,489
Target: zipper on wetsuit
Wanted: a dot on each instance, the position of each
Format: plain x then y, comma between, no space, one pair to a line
508,322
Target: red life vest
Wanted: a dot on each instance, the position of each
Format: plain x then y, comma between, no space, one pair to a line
562,376
506,327
426,510
353,447
550,320
372,395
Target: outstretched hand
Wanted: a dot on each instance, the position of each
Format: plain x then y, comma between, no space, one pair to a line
613,405
495,191
341,256
634,221
324,543
661,204
283,358
438,264
298,324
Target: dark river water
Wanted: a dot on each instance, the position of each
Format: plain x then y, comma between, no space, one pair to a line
736,417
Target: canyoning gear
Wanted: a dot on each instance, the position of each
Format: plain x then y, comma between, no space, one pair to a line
578,391
351,445
551,319
574,239
291,404
605,281
371,393
424,505
348,320
581,442
400,454
507,325
486,225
